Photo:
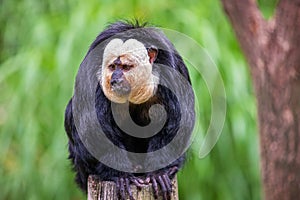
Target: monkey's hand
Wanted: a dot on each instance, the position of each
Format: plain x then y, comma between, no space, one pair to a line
163,179
123,186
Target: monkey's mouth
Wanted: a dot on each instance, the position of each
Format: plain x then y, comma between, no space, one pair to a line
121,89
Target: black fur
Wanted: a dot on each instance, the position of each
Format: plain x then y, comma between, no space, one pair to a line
83,162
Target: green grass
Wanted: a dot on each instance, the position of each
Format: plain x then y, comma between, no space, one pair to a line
42,44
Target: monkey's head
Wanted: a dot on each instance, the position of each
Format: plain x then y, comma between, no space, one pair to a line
126,73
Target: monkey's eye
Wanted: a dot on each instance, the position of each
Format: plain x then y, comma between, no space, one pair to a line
112,67
127,67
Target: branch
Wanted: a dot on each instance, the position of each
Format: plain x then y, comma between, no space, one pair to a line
248,25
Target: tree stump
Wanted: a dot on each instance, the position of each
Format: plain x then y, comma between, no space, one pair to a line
106,190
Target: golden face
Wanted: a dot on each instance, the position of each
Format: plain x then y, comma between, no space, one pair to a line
126,73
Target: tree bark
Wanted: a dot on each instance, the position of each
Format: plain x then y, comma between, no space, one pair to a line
106,190
272,49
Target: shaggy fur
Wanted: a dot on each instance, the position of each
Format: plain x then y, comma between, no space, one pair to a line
83,162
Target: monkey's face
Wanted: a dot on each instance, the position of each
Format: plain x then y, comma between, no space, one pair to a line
126,73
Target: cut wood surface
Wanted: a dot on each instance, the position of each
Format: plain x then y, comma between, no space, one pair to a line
106,190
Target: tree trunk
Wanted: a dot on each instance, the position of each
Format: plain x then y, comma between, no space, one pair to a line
106,190
272,49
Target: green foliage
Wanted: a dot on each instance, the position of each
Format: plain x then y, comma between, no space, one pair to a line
42,44
267,7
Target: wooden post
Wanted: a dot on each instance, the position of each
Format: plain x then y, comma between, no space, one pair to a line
106,190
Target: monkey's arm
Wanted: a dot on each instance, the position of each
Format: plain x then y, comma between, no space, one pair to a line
161,178
84,164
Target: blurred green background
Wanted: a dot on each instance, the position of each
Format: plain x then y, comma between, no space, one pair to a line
42,44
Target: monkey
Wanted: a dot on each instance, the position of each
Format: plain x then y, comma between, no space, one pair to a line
127,75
